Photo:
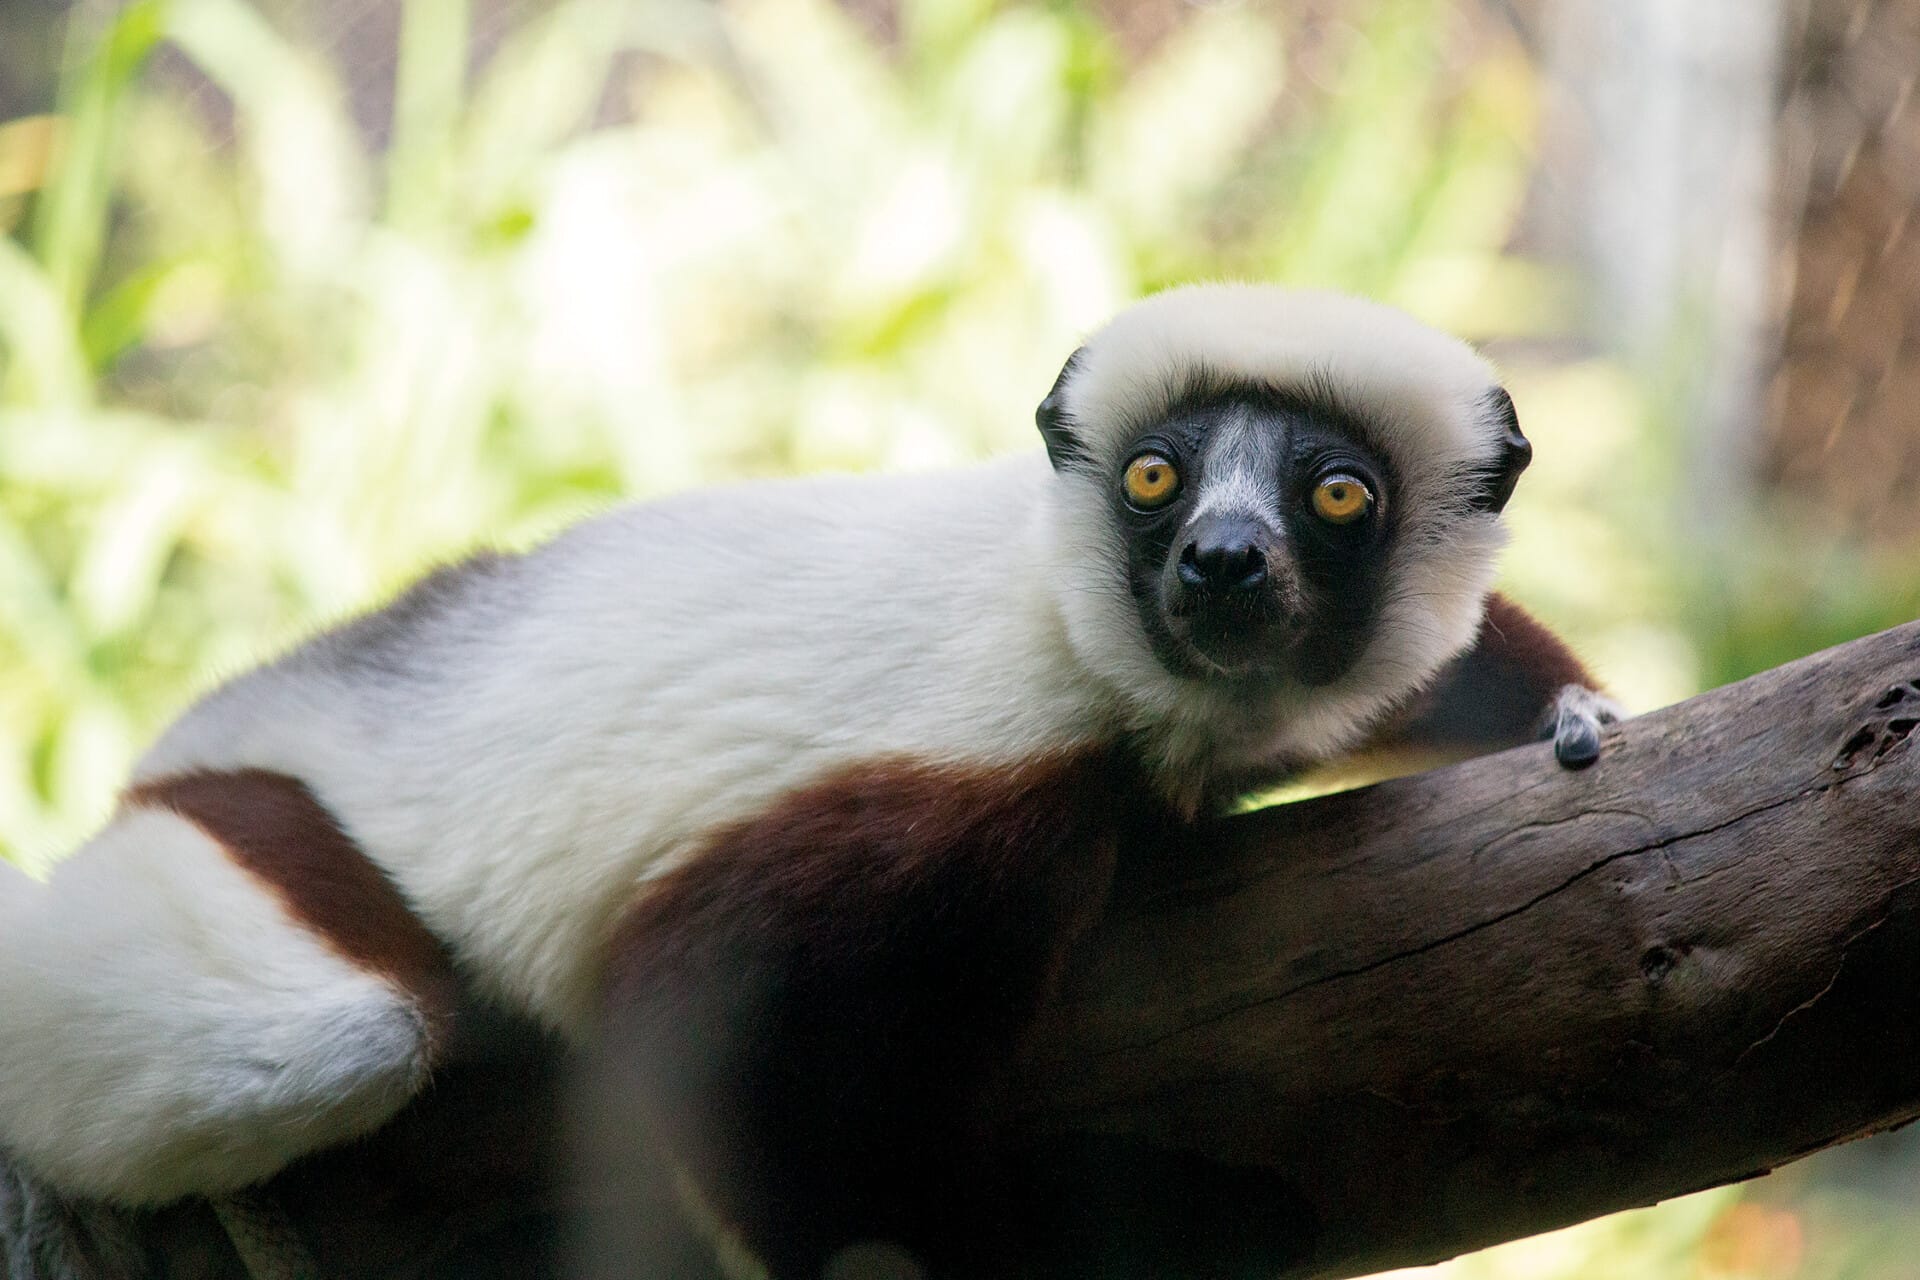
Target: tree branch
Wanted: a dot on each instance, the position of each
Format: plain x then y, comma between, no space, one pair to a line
1494,999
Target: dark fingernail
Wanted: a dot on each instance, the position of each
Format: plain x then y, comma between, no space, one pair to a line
1577,745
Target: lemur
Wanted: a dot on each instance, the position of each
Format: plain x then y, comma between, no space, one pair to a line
801,790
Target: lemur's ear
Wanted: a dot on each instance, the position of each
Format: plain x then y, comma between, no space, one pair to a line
1496,482
1064,446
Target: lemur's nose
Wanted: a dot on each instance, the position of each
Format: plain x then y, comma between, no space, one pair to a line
1225,556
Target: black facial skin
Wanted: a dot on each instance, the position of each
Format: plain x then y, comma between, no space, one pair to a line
1259,590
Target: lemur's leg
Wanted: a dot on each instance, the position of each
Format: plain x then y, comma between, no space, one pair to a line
809,1017
216,983
1518,683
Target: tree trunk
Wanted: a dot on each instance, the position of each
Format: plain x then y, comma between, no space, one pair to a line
1840,443
1656,177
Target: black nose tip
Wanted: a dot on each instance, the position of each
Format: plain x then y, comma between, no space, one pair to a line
1224,560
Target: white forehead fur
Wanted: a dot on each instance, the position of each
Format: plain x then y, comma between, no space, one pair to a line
1424,399
1424,390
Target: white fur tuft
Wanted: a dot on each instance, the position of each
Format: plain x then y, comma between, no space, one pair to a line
1422,388
168,1029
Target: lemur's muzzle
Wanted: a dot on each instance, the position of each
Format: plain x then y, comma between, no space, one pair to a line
1229,589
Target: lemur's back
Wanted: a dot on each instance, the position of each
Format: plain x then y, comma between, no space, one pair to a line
521,741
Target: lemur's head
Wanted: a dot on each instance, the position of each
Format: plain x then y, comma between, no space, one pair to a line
1277,495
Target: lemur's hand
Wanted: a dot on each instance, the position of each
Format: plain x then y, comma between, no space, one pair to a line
1574,719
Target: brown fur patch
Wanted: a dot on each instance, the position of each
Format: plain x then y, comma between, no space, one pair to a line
814,1012
1497,692
278,831
1524,645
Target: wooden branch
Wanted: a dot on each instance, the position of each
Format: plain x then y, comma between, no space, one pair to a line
1369,1030
1395,1024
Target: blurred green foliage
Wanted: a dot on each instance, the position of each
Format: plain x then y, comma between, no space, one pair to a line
257,371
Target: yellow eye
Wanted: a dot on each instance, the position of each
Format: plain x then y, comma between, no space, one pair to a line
1151,481
1341,500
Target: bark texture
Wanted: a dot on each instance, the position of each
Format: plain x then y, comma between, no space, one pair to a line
1494,999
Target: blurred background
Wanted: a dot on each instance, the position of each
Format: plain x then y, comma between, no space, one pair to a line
300,296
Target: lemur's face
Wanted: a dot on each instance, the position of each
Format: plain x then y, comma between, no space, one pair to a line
1277,501
1257,526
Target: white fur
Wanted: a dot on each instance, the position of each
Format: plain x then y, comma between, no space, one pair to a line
1577,702
1421,387
1234,488
165,1028
522,756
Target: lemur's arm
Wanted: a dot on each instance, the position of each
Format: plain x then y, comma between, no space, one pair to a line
807,1021
1518,683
